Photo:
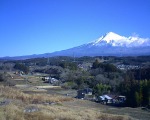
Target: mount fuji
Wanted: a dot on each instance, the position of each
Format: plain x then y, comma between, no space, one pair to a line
111,44
115,40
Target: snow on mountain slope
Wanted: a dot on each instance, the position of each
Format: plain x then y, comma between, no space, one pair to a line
114,39
111,44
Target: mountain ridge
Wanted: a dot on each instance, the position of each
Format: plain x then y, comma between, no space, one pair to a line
117,40
111,44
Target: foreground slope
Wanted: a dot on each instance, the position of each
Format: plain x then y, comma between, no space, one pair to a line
16,105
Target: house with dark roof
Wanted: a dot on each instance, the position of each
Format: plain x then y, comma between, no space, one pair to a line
117,100
84,93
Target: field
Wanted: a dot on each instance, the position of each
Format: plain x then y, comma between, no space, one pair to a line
34,100
135,113
16,105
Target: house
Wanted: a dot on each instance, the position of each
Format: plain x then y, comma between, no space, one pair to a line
50,80
53,80
116,100
128,67
119,100
106,99
84,93
46,78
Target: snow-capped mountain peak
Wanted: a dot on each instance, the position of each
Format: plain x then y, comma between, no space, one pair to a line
112,36
109,38
114,39
111,44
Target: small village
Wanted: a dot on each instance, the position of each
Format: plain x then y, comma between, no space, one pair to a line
83,84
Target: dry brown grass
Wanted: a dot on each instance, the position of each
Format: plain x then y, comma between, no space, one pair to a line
13,93
15,111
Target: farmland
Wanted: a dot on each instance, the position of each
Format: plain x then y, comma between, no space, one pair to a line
29,95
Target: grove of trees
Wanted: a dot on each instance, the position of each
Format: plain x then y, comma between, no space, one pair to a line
102,76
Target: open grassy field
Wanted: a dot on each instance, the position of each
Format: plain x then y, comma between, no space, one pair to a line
16,105
39,101
135,113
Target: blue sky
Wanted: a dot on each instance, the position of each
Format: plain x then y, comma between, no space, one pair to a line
43,26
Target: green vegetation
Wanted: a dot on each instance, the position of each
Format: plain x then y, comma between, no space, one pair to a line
2,77
22,67
137,92
99,73
101,89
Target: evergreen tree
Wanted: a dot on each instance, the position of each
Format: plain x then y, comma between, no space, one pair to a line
96,64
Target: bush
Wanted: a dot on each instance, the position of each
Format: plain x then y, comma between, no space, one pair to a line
2,77
22,67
